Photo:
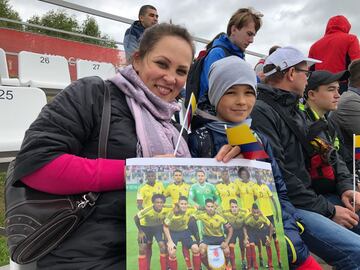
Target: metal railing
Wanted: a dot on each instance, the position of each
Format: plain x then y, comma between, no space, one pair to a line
58,30
113,17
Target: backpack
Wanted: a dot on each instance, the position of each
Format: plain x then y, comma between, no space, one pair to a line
205,142
193,79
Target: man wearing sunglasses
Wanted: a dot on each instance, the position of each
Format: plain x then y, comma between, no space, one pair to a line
276,113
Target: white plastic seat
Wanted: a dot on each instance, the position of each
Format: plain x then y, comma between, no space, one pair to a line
4,72
43,70
19,107
87,68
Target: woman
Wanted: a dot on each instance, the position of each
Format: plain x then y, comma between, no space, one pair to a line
232,92
59,152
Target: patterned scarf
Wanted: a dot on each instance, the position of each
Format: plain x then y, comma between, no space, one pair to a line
155,132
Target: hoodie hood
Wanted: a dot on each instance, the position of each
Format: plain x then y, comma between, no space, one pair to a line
337,23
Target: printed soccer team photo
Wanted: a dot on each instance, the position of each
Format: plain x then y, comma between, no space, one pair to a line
201,214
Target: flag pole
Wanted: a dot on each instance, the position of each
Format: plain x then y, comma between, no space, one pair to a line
182,128
354,178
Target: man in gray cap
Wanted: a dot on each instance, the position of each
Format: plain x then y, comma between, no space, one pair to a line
328,225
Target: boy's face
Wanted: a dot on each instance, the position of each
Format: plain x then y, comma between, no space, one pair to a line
236,104
326,97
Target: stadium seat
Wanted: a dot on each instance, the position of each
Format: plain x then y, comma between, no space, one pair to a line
19,107
86,68
4,73
43,70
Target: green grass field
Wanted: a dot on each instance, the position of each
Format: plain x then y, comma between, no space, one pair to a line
132,247
4,254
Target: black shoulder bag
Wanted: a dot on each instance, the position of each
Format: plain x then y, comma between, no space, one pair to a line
37,222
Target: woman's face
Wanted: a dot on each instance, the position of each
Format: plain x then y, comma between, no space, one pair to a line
164,69
236,104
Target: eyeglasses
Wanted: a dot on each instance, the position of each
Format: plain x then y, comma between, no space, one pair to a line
307,72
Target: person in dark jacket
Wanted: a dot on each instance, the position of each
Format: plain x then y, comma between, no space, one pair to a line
276,114
337,48
232,92
148,16
59,151
347,116
322,96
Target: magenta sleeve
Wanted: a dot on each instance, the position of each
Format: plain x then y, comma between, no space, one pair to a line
70,174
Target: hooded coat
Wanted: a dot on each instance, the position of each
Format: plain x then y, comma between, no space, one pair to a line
337,48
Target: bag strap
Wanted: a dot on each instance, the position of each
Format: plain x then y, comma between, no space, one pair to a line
105,123
297,132
91,197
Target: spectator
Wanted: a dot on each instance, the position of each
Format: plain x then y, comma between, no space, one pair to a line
59,156
337,48
327,223
347,116
241,30
259,66
322,96
148,16
233,93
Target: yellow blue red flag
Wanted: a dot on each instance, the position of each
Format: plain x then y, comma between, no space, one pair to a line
250,147
357,147
190,111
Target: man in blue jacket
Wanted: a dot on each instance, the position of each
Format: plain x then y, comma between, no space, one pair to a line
148,16
241,30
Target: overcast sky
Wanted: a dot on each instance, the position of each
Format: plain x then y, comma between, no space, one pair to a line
298,22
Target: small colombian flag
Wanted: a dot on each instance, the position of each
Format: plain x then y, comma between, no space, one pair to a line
190,111
357,147
250,147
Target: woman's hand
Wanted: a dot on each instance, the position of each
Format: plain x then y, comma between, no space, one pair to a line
228,152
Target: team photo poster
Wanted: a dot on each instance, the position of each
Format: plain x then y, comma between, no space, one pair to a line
183,213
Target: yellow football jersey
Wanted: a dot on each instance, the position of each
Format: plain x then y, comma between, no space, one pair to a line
246,193
145,192
257,223
149,217
264,194
179,222
227,192
237,220
175,191
211,225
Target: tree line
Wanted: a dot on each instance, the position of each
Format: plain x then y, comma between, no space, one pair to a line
58,19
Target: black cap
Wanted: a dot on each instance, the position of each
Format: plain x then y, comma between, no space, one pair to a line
323,77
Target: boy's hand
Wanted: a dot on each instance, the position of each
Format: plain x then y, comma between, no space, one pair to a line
228,152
